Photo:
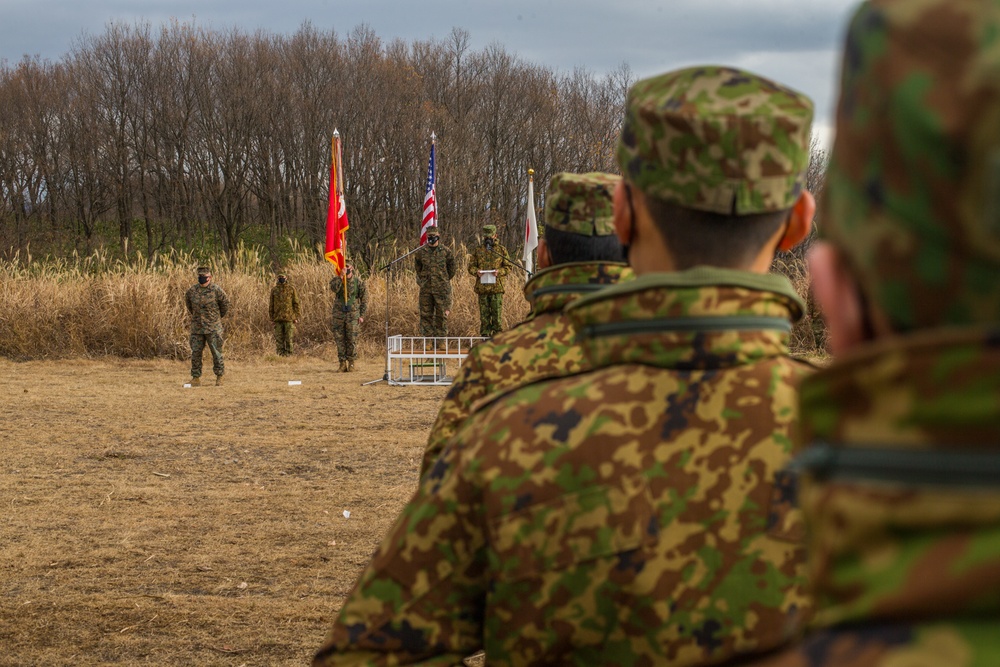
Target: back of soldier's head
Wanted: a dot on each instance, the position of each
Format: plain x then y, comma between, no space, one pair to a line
579,218
720,155
912,199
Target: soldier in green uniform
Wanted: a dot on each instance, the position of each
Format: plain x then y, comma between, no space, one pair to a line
633,514
284,312
207,304
577,254
435,267
348,314
900,435
489,264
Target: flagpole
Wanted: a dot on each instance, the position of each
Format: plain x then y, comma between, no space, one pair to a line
437,161
339,167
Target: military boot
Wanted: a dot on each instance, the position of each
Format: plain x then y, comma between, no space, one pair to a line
218,380
350,366
195,382
343,366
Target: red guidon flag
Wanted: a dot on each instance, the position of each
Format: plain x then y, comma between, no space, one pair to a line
336,213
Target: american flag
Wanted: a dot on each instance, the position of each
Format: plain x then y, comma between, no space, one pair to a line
430,199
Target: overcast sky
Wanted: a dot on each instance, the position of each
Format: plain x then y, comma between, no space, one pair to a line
793,41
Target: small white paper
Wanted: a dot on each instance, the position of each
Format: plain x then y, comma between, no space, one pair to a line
488,276
187,386
347,514
294,382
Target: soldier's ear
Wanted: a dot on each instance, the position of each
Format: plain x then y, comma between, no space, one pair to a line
544,255
799,221
622,211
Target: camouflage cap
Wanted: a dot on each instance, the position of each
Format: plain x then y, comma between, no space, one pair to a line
716,139
912,195
581,203
204,271
489,230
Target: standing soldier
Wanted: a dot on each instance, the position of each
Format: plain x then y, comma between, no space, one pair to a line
634,513
899,437
578,254
435,265
284,312
207,304
489,264
348,314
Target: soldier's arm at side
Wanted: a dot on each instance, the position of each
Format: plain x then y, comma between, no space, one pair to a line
421,598
187,302
449,263
270,306
362,298
295,305
223,302
505,264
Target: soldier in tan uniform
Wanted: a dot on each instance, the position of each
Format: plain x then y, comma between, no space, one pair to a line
633,514
577,255
900,436
489,264
284,311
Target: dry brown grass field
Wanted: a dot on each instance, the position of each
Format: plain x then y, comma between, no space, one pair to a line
143,522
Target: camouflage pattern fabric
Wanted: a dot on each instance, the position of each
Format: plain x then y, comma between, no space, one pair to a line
345,321
435,267
284,305
905,550
490,295
631,515
284,310
581,203
716,139
490,312
483,259
284,337
912,193
207,305
543,346
198,341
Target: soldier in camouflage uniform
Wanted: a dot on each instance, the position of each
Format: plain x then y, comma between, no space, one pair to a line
633,514
284,312
899,435
348,315
578,254
435,266
207,304
493,257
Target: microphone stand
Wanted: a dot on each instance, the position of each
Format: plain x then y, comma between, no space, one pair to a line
389,266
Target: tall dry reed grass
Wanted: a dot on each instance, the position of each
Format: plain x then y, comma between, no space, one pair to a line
93,306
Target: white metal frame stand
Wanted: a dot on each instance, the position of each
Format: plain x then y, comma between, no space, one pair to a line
426,360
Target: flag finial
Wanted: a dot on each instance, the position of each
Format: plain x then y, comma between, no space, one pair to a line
433,136
336,132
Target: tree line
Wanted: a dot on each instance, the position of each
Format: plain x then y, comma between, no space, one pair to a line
147,139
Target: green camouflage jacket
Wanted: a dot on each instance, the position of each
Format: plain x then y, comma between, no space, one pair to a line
540,347
482,259
357,295
435,269
207,305
284,303
632,515
901,494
